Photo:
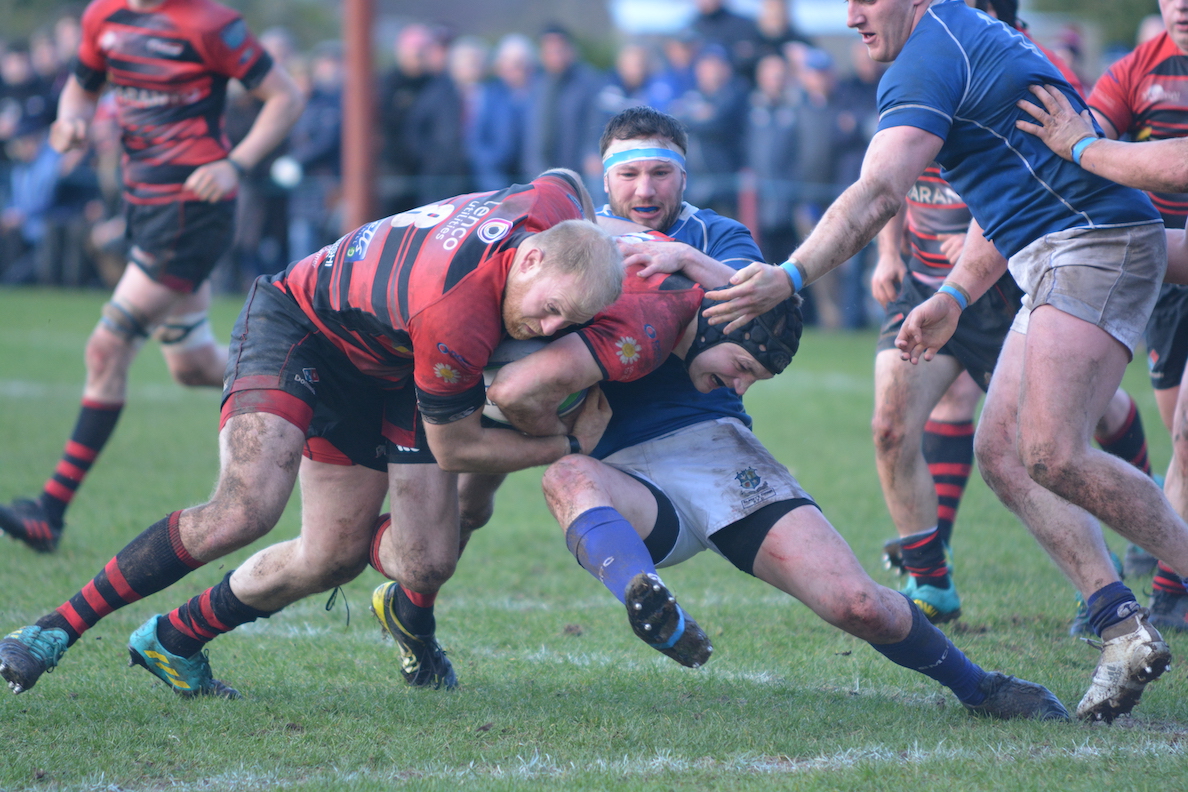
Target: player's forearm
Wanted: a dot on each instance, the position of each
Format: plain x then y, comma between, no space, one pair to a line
703,269
77,102
1177,256
500,451
978,269
890,237
533,413
848,226
1159,165
283,105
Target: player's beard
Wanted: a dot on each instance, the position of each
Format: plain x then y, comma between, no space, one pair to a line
664,220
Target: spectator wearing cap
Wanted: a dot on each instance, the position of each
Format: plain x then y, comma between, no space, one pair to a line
496,141
713,114
563,108
738,35
33,179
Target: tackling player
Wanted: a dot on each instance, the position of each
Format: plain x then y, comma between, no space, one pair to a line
382,334
168,64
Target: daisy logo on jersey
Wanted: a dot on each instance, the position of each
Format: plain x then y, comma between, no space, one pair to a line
494,230
446,373
628,349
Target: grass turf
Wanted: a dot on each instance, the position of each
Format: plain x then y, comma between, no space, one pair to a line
556,692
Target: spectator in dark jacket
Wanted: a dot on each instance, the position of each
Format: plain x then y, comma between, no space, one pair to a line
773,136
398,92
563,109
739,35
316,145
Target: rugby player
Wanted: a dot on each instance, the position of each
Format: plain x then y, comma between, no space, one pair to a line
383,334
1142,95
950,97
168,64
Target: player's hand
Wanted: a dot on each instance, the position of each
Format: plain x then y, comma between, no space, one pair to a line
592,419
1059,125
951,246
754,289
928,327
213,181
67,133
888,274
655,256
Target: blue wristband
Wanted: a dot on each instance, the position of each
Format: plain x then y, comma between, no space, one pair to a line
1078,149
790,267
956,295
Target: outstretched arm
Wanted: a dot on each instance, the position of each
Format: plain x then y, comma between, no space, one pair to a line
894,160
1158,165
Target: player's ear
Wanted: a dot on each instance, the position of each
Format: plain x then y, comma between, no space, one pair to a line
531,260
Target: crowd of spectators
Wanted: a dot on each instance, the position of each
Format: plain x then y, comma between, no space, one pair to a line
775,133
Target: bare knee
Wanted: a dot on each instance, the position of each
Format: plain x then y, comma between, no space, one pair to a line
888,433
565,477
861,612
1048,464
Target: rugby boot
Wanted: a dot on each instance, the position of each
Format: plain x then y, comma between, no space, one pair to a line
662,624
26,521
28,653
939,605
423,662
1138,562
185,676
1133,653
1169,611
1010,697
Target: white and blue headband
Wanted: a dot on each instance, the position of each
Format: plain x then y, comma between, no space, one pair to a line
634,154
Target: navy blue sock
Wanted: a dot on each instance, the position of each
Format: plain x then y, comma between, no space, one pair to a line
1110,605
927,650
607,547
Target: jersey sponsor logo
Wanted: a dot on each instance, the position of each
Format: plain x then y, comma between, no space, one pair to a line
311,374
234,34
446,373
628,349
650,331
300,379
164,47
451,233
360,241
331,252
938,195
423,216
748,479
494,230
405,449
1152,360
143,98
445,350
1158,93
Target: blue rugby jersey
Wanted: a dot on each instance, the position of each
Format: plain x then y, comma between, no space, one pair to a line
665,400
959,76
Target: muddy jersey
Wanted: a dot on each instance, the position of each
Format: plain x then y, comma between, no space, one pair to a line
430,281
1145,94
168,69
934,210
636,334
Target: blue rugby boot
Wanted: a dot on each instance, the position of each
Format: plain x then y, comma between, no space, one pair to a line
423,663
28,653
939,605
185,676
1010,697
663,625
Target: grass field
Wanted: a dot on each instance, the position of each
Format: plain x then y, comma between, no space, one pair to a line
556,693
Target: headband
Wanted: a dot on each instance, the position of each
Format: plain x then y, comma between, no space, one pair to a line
631,155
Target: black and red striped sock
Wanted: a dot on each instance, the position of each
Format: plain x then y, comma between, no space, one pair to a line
1129,442
96,422
949,452
152,561
413,610
924,559
1167,581
217,610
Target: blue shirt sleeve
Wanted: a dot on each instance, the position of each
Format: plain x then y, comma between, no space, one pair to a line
926,85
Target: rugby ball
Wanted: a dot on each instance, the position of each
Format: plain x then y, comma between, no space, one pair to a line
510,350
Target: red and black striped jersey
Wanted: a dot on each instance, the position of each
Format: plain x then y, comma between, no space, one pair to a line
420,294
933,209
637,333
1145,94
168,68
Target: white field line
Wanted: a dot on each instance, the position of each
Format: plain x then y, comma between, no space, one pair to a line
539,766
